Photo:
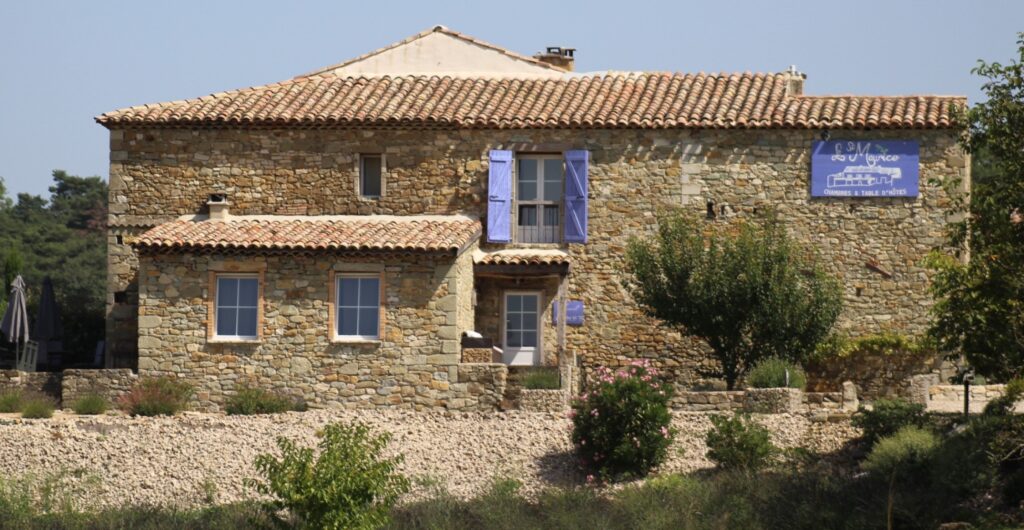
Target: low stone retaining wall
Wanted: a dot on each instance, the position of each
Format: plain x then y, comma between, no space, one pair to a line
536,400
950,398
481,386
766,400
875,375
109,383
47,383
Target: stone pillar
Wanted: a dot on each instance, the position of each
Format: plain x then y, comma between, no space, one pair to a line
850,401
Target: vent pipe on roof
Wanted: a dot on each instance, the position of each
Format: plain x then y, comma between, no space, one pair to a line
558,57
795,81
218,205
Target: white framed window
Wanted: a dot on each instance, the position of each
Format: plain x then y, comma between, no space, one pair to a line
522,330
540,180
357,312
237,307
371,175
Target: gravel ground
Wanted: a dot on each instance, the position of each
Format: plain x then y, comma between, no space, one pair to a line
187,459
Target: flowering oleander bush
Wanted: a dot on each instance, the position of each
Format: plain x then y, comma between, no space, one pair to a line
621,426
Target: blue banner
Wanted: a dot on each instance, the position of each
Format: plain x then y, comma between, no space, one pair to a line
865,168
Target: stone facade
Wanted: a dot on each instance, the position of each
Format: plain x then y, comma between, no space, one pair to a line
157,174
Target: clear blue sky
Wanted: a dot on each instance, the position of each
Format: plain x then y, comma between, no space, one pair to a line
62,63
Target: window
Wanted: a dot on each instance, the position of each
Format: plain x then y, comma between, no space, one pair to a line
539,184
358,307
371,170
237,307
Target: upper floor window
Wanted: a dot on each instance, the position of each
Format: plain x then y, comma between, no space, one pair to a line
358,306
371,175
539,185
237,307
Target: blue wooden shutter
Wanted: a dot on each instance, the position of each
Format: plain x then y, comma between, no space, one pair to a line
576,163
499,197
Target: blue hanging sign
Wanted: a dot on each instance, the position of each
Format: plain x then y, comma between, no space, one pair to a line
573,308
865,168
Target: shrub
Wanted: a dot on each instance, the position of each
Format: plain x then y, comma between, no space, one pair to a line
90,404
156,396
248,401
888,416
37,406
737,442
1004,404
349,485
10,400
542,379
621,427
905,452
776,373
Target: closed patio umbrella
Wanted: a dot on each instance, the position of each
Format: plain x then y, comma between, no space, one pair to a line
48,328
14,325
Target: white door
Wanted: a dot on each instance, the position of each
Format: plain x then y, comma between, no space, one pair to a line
522,328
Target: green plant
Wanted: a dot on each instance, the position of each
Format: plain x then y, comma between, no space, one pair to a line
749,295
10,400
248,400
979,307
906,451
157,396
348,485
621,426
90,404
776,373
541,379
886,343
1004,404
886,416
737,442
37,406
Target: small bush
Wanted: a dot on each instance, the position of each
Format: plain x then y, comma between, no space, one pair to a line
622,426
248,401
349,485
888,416
737,442
774,372
542,379
159,396
909,447
10,400
37,406
1004,404
90,404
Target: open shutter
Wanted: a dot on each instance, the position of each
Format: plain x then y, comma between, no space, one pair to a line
576,167
499,197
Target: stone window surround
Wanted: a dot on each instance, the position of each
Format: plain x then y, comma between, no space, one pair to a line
256,269
332,302
383,175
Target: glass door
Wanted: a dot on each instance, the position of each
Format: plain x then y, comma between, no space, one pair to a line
522,328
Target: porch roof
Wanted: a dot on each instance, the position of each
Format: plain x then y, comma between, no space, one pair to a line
523,261
380,233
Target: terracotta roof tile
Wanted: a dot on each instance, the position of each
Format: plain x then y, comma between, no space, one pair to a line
524,256
346,233
644,100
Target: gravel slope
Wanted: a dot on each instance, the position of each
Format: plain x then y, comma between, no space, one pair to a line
178,461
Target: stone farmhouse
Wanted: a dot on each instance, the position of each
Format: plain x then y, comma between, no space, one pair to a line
400,228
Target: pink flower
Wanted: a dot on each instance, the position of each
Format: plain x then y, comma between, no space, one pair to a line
590,479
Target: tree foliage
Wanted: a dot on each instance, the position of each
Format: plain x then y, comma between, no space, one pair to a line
750,295
979,308
63,238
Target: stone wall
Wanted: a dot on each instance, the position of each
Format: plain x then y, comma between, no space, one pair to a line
415,364
950,398
876,375
766,400
536,400
111,384
45,383
156,173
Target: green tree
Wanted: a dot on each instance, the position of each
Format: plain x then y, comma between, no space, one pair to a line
750,295
979,308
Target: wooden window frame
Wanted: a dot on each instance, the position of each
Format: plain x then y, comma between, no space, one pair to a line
540,204
332,307
360,175
248,271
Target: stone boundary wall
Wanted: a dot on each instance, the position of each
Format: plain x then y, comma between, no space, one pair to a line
480,386
875,375
47,383
766,400
950,398
111,384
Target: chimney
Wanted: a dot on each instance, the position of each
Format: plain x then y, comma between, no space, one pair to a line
558,57
794,81
218,205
